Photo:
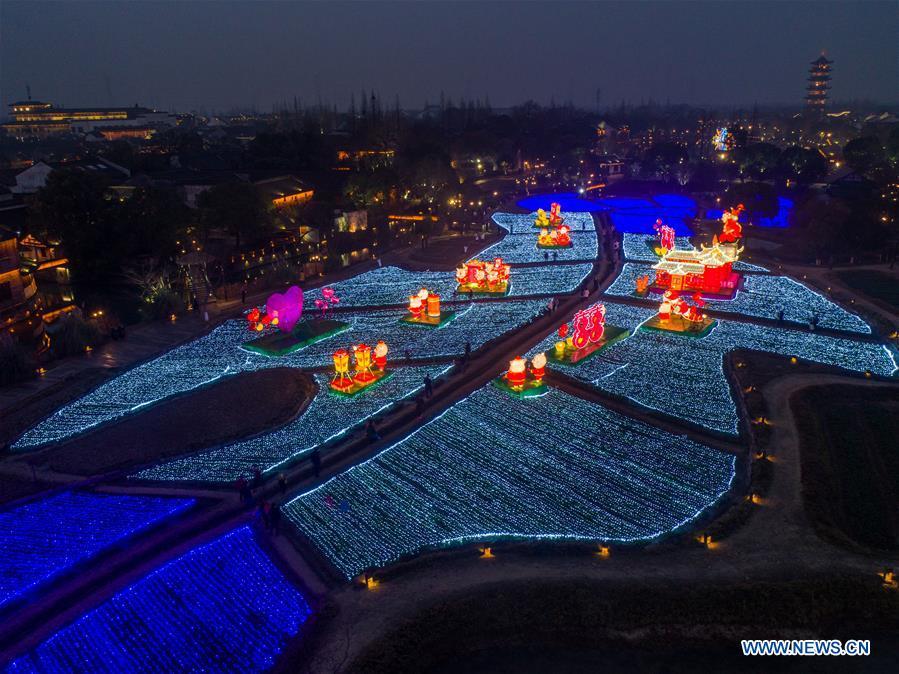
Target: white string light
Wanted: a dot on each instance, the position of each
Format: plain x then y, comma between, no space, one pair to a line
492,466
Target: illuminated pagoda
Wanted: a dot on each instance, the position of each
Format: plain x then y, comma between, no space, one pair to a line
425,310
708,270
476,276
818,85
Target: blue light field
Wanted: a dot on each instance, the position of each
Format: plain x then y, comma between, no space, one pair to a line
495,467
522,248
222,607
42,539
684,376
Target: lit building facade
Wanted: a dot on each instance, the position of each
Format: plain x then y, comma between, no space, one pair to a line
38,119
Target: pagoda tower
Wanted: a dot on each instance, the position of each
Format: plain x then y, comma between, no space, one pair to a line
818,85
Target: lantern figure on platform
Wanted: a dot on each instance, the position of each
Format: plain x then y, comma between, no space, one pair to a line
516,374
542,220
676,314
731,229
538,367
434,305
484,277
381,355
341,368
362,355
589,325
555,214
556,238
415,306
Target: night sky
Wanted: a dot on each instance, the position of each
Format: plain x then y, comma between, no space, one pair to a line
226,55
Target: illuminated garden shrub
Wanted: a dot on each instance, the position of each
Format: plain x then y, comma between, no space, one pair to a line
46,537
219,354
221,607
761,295
684,377
326,417
493,467
388,286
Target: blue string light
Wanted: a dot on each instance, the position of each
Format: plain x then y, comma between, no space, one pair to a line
553,467
41,539
222,607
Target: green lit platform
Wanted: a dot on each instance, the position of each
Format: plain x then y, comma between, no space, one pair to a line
530,389
303,334
611,335
680,326
551,247
356,388
429,321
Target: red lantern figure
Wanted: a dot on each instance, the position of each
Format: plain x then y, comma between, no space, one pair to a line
381,355
414,305
555,214
516,374
538,367
563,331
434,305
731,229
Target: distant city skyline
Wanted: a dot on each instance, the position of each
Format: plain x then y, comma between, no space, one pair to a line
225,56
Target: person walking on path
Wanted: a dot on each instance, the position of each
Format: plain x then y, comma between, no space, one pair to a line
282,482
429,386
